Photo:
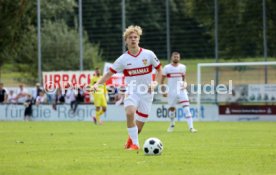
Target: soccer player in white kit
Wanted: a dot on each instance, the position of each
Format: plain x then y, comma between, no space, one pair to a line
136,64
177,93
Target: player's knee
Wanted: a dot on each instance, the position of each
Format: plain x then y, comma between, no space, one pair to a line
130,113
187,111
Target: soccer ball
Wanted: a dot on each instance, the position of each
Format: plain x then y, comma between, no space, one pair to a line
153,146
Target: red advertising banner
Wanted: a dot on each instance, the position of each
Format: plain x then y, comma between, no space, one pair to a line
63,79
247,110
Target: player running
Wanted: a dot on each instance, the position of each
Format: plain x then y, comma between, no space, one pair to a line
99,97
177,93
136,64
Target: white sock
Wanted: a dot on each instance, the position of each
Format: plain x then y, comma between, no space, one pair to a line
172,117
188,116
190,122
133,134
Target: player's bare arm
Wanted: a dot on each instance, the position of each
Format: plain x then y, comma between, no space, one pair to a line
102,80
157,79
159,75
184,83
163,88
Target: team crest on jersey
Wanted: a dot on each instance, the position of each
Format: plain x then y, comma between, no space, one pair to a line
145,61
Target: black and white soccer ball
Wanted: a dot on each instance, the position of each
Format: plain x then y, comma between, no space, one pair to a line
153,146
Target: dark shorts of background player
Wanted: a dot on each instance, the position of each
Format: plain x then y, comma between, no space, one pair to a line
27,114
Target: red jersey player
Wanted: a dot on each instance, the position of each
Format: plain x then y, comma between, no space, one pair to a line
136,64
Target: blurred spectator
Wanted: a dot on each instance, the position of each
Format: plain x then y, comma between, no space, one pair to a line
50,98
36,91
112,94
70,98
28,107
87,98
121,96
3,94
233,97
59,98
12,97
42,98
80,96
66,97
21,94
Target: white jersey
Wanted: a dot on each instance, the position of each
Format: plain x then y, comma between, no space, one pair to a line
40,99
174,75
70,96
137,69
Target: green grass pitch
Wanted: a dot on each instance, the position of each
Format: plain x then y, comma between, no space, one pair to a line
80,148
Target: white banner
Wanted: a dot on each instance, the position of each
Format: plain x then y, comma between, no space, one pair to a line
114,113
208,113
47,113
262,92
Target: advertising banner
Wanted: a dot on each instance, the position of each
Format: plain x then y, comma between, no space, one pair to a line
247,113
77,79
113,113
247,110
64,79
262,92
47,113
158,112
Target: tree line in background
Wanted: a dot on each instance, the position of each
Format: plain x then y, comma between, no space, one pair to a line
59,33
192,25
240,31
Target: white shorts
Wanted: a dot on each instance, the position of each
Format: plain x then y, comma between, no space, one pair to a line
180,98
142,102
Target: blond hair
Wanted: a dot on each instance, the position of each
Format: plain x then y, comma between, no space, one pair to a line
131,29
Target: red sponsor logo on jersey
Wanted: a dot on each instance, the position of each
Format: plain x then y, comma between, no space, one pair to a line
174,75
138,71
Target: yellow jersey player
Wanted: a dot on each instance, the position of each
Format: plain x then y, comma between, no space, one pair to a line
99,97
